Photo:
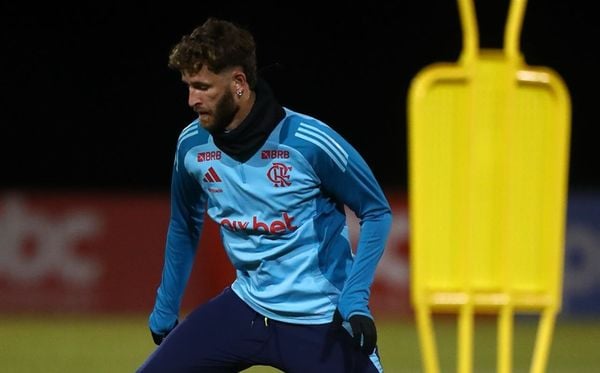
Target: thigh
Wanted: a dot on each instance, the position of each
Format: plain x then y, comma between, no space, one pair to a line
215,337
322,348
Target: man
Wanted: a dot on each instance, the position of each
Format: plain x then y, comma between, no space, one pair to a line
276,182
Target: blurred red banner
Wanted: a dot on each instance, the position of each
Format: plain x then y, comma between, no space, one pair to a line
102,253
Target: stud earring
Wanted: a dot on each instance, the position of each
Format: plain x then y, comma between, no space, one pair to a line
239,92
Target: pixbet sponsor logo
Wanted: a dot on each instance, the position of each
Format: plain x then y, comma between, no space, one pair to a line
274,227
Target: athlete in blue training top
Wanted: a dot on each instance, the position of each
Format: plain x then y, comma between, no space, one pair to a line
276,182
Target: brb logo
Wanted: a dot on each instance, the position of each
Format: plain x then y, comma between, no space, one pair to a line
278,174
274,227
209,156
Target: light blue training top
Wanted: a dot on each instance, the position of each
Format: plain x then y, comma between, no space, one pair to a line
282,222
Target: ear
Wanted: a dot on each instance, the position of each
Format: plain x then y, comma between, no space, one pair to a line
239,80
239,84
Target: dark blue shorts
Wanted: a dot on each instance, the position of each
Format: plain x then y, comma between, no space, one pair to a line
226,335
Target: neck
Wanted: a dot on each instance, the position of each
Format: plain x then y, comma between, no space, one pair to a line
245,106
258,115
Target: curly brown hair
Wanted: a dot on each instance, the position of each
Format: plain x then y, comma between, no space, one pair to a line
218,44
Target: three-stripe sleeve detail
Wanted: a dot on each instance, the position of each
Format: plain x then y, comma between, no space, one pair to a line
321,139
187,132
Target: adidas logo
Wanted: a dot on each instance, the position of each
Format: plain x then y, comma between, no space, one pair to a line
211,176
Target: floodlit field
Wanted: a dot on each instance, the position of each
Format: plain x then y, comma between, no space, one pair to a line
120,344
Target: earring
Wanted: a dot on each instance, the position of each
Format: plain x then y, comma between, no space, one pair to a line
239,92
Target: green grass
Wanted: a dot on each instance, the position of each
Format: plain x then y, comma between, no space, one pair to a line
120,344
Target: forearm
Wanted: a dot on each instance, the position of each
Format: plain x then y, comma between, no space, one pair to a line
354,298
179,258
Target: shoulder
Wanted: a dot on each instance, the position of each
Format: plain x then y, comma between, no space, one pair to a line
294,121
305,130
193,134
312,137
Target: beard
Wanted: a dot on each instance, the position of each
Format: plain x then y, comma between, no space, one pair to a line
223,114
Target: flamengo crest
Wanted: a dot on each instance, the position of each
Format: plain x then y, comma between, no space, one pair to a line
278,174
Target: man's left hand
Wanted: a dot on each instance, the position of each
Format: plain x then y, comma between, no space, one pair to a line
364,332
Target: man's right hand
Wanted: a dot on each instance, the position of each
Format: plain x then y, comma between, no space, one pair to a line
158,338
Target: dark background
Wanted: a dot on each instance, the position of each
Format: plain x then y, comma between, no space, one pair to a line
89,103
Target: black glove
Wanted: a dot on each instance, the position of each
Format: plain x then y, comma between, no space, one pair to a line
158,338
364,331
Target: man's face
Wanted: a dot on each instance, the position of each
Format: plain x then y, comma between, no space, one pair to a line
211,96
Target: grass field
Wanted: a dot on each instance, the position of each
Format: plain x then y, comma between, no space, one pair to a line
120,344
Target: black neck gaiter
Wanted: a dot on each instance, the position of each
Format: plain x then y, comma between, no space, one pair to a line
243,141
